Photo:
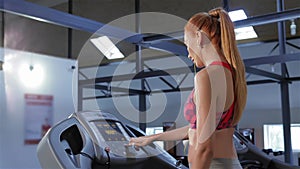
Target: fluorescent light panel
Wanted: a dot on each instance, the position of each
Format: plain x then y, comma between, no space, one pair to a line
237,15
107,47
244,32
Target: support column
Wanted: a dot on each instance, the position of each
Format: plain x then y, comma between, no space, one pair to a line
80,96
140,68
70,9
226,5
3,29
2,40
284,87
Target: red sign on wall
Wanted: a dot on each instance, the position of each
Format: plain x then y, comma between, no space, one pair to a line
38,117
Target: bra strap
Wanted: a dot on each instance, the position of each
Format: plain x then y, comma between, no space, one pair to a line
222,64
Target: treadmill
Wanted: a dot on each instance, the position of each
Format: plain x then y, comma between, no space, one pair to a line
98,140
251,157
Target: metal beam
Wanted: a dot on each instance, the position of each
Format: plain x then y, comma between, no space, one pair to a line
294,79
282,58
132,94
117,89
293,45
140,75
52,16
108,96
179,50
256,82
263,73
167,36
268,18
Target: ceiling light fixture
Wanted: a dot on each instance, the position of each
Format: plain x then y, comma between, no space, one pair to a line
107,47
31,75
244,32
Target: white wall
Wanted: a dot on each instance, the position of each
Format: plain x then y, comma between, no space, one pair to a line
58,82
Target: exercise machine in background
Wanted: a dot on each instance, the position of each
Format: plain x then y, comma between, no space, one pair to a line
251,157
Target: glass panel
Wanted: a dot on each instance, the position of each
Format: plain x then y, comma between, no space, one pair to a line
273,137
155,130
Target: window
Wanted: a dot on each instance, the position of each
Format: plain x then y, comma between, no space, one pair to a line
273,137
155,130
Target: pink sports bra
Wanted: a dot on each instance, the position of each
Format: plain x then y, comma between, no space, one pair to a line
190,108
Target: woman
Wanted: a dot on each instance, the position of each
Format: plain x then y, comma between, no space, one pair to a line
216,104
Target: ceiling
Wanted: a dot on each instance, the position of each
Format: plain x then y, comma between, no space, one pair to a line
106,11
30,34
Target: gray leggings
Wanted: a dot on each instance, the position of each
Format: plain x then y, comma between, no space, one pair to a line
224,163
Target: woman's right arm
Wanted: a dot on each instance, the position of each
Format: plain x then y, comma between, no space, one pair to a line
171,135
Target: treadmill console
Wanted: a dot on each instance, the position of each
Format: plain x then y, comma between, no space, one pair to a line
96,139
108,132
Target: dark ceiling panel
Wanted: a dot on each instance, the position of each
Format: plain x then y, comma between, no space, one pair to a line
105,11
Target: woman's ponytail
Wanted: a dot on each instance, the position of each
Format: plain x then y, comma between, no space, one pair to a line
232,55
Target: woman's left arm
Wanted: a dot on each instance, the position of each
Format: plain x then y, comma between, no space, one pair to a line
205,100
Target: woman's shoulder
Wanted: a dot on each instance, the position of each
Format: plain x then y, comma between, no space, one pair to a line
206,73
211,75
202,77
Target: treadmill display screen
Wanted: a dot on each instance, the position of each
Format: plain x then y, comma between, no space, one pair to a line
110,130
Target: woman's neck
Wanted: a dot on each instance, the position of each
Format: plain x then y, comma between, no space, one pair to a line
209,55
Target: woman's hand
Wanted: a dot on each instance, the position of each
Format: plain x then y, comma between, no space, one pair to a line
141,141
171,135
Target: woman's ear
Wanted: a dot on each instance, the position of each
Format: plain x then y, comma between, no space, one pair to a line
198,34
202,39
199,39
